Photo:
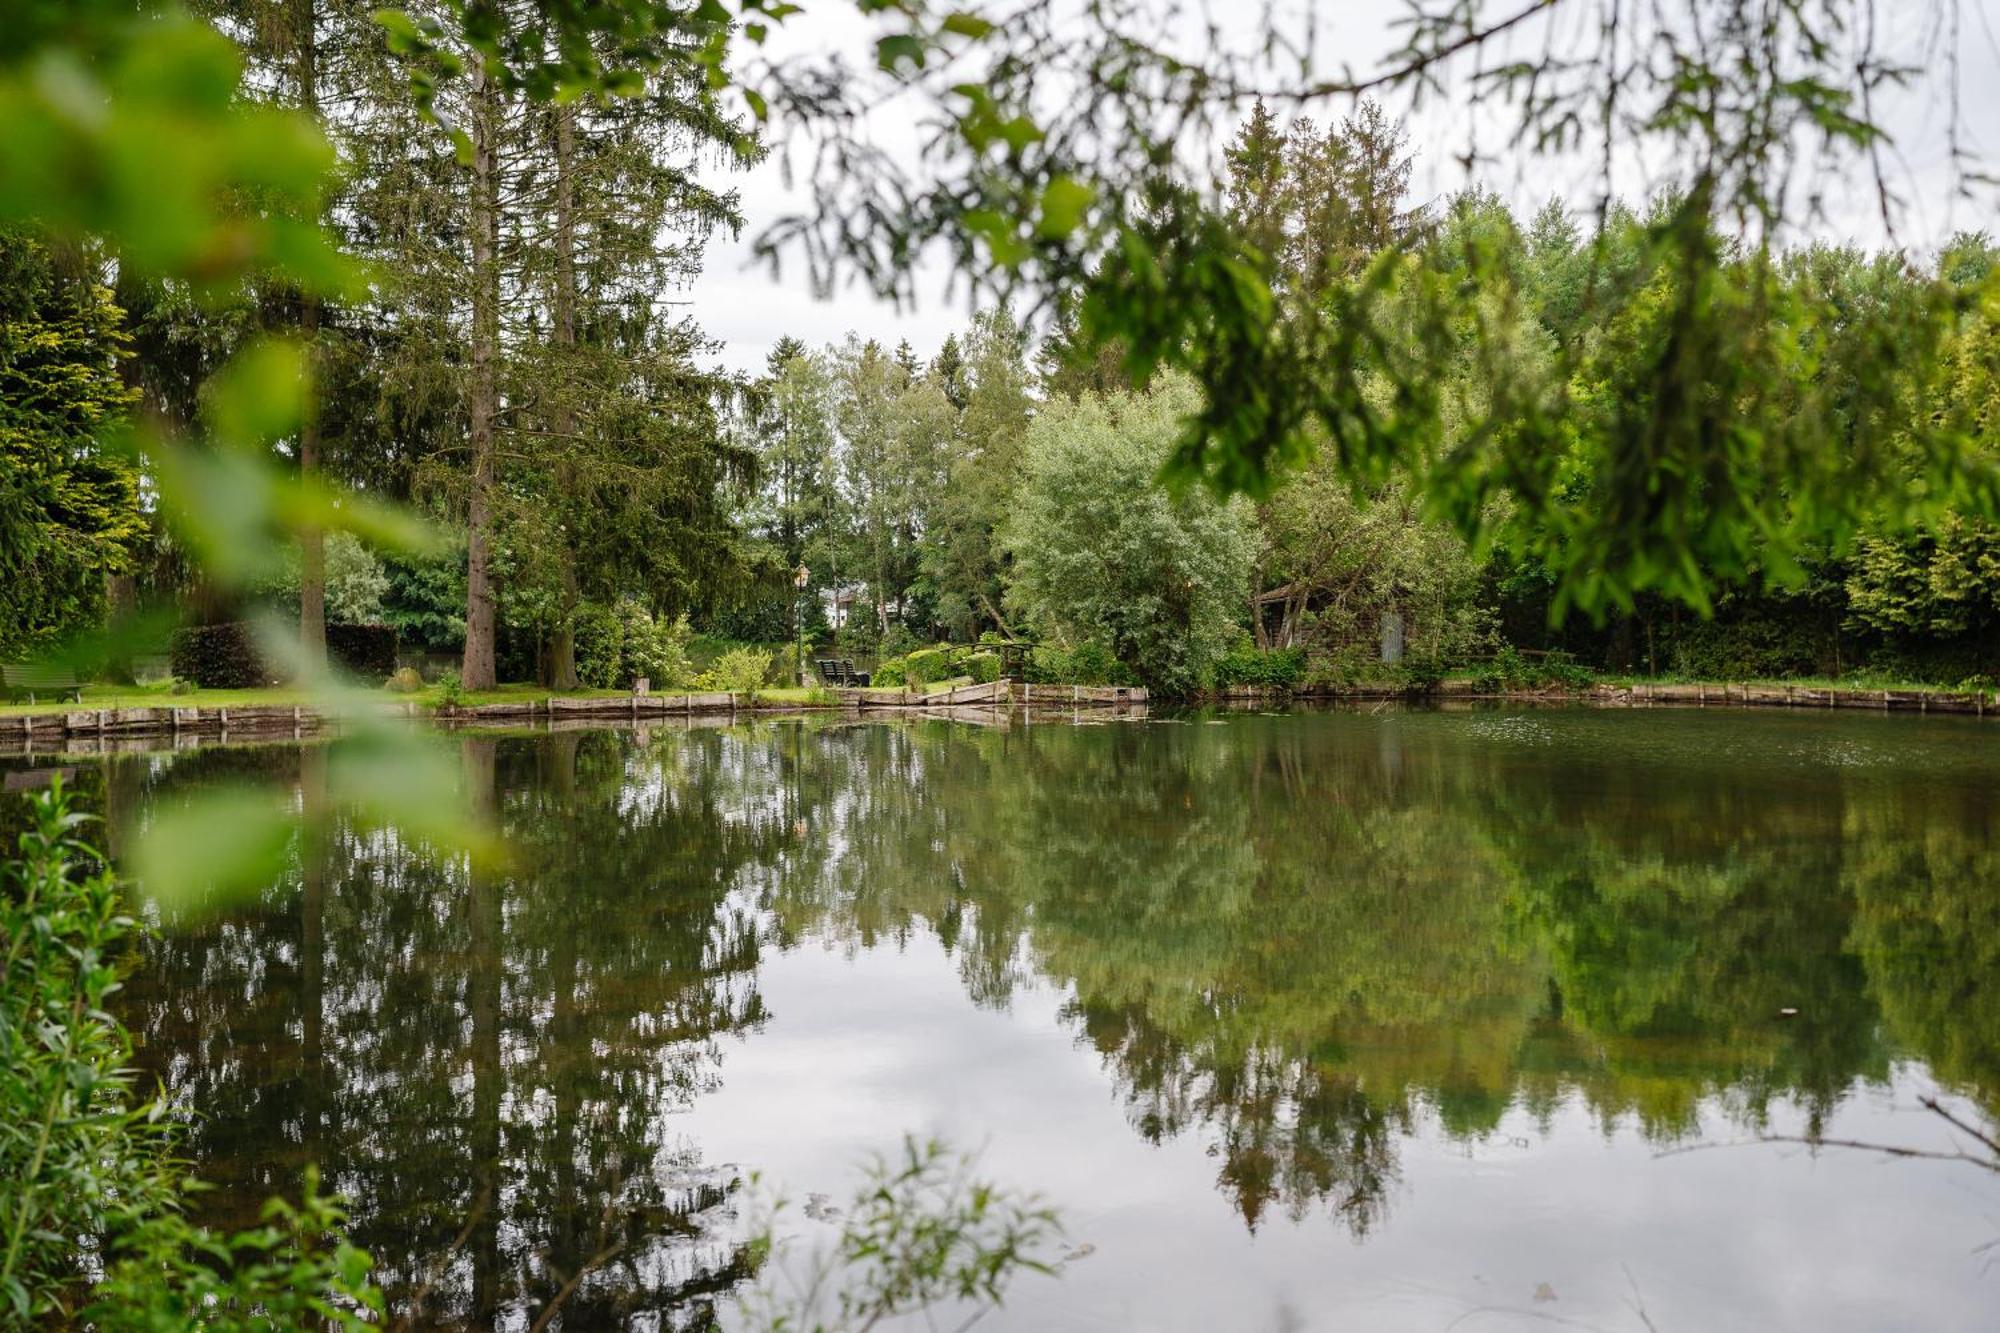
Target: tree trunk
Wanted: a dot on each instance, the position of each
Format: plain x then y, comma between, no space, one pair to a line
121,599
312,543
485,977
477,671
562,657
994,611
315,852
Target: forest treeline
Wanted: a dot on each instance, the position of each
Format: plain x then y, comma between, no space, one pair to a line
520,368
991,491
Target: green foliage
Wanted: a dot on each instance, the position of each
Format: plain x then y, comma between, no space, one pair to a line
219,657
357,586
1088,663
70,514
424,601
1677,430
1942,582
78,1156
1102,553
922,1231
943,661
1510,670
1765,645
295,1270
1246,664
600,645
85,1165
927,665
740,671
653,648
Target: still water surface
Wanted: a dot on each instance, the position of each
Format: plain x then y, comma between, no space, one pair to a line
1318,1021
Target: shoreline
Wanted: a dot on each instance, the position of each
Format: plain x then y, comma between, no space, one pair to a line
74,730
60,728
1646,694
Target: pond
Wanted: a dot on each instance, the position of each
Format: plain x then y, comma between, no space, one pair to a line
1390,1020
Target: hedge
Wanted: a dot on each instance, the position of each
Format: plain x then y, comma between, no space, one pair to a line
943,661
217,657
369,651
225,657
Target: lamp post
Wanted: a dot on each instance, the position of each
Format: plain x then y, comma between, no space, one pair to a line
799,581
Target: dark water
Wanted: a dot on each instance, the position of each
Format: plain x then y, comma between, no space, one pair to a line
1334,1021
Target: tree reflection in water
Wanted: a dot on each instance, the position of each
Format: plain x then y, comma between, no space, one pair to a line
486,1062
1298,940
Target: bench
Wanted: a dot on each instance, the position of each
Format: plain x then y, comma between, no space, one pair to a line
37,678
839,671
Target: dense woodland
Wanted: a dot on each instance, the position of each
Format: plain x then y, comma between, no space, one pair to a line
545,397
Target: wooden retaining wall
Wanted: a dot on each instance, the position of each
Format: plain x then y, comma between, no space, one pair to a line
1977,703
51,730
999,693
46,729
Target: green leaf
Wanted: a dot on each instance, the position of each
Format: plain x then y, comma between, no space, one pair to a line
220,848
1064,202
406,781
967,25
260,395
896,48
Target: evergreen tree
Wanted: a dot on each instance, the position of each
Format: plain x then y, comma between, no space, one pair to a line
70,515
948,371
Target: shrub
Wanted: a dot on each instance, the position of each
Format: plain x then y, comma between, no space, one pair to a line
297,1270
740,671
654,649
63,1064
600,645
1421,675
895,671
1248,665
405,681
86,1169
1509,670
928,664
218,657
984,668
369,651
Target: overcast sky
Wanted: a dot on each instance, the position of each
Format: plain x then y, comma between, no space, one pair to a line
748,311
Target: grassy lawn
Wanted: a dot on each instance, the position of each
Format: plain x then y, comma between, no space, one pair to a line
158,695
161,695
